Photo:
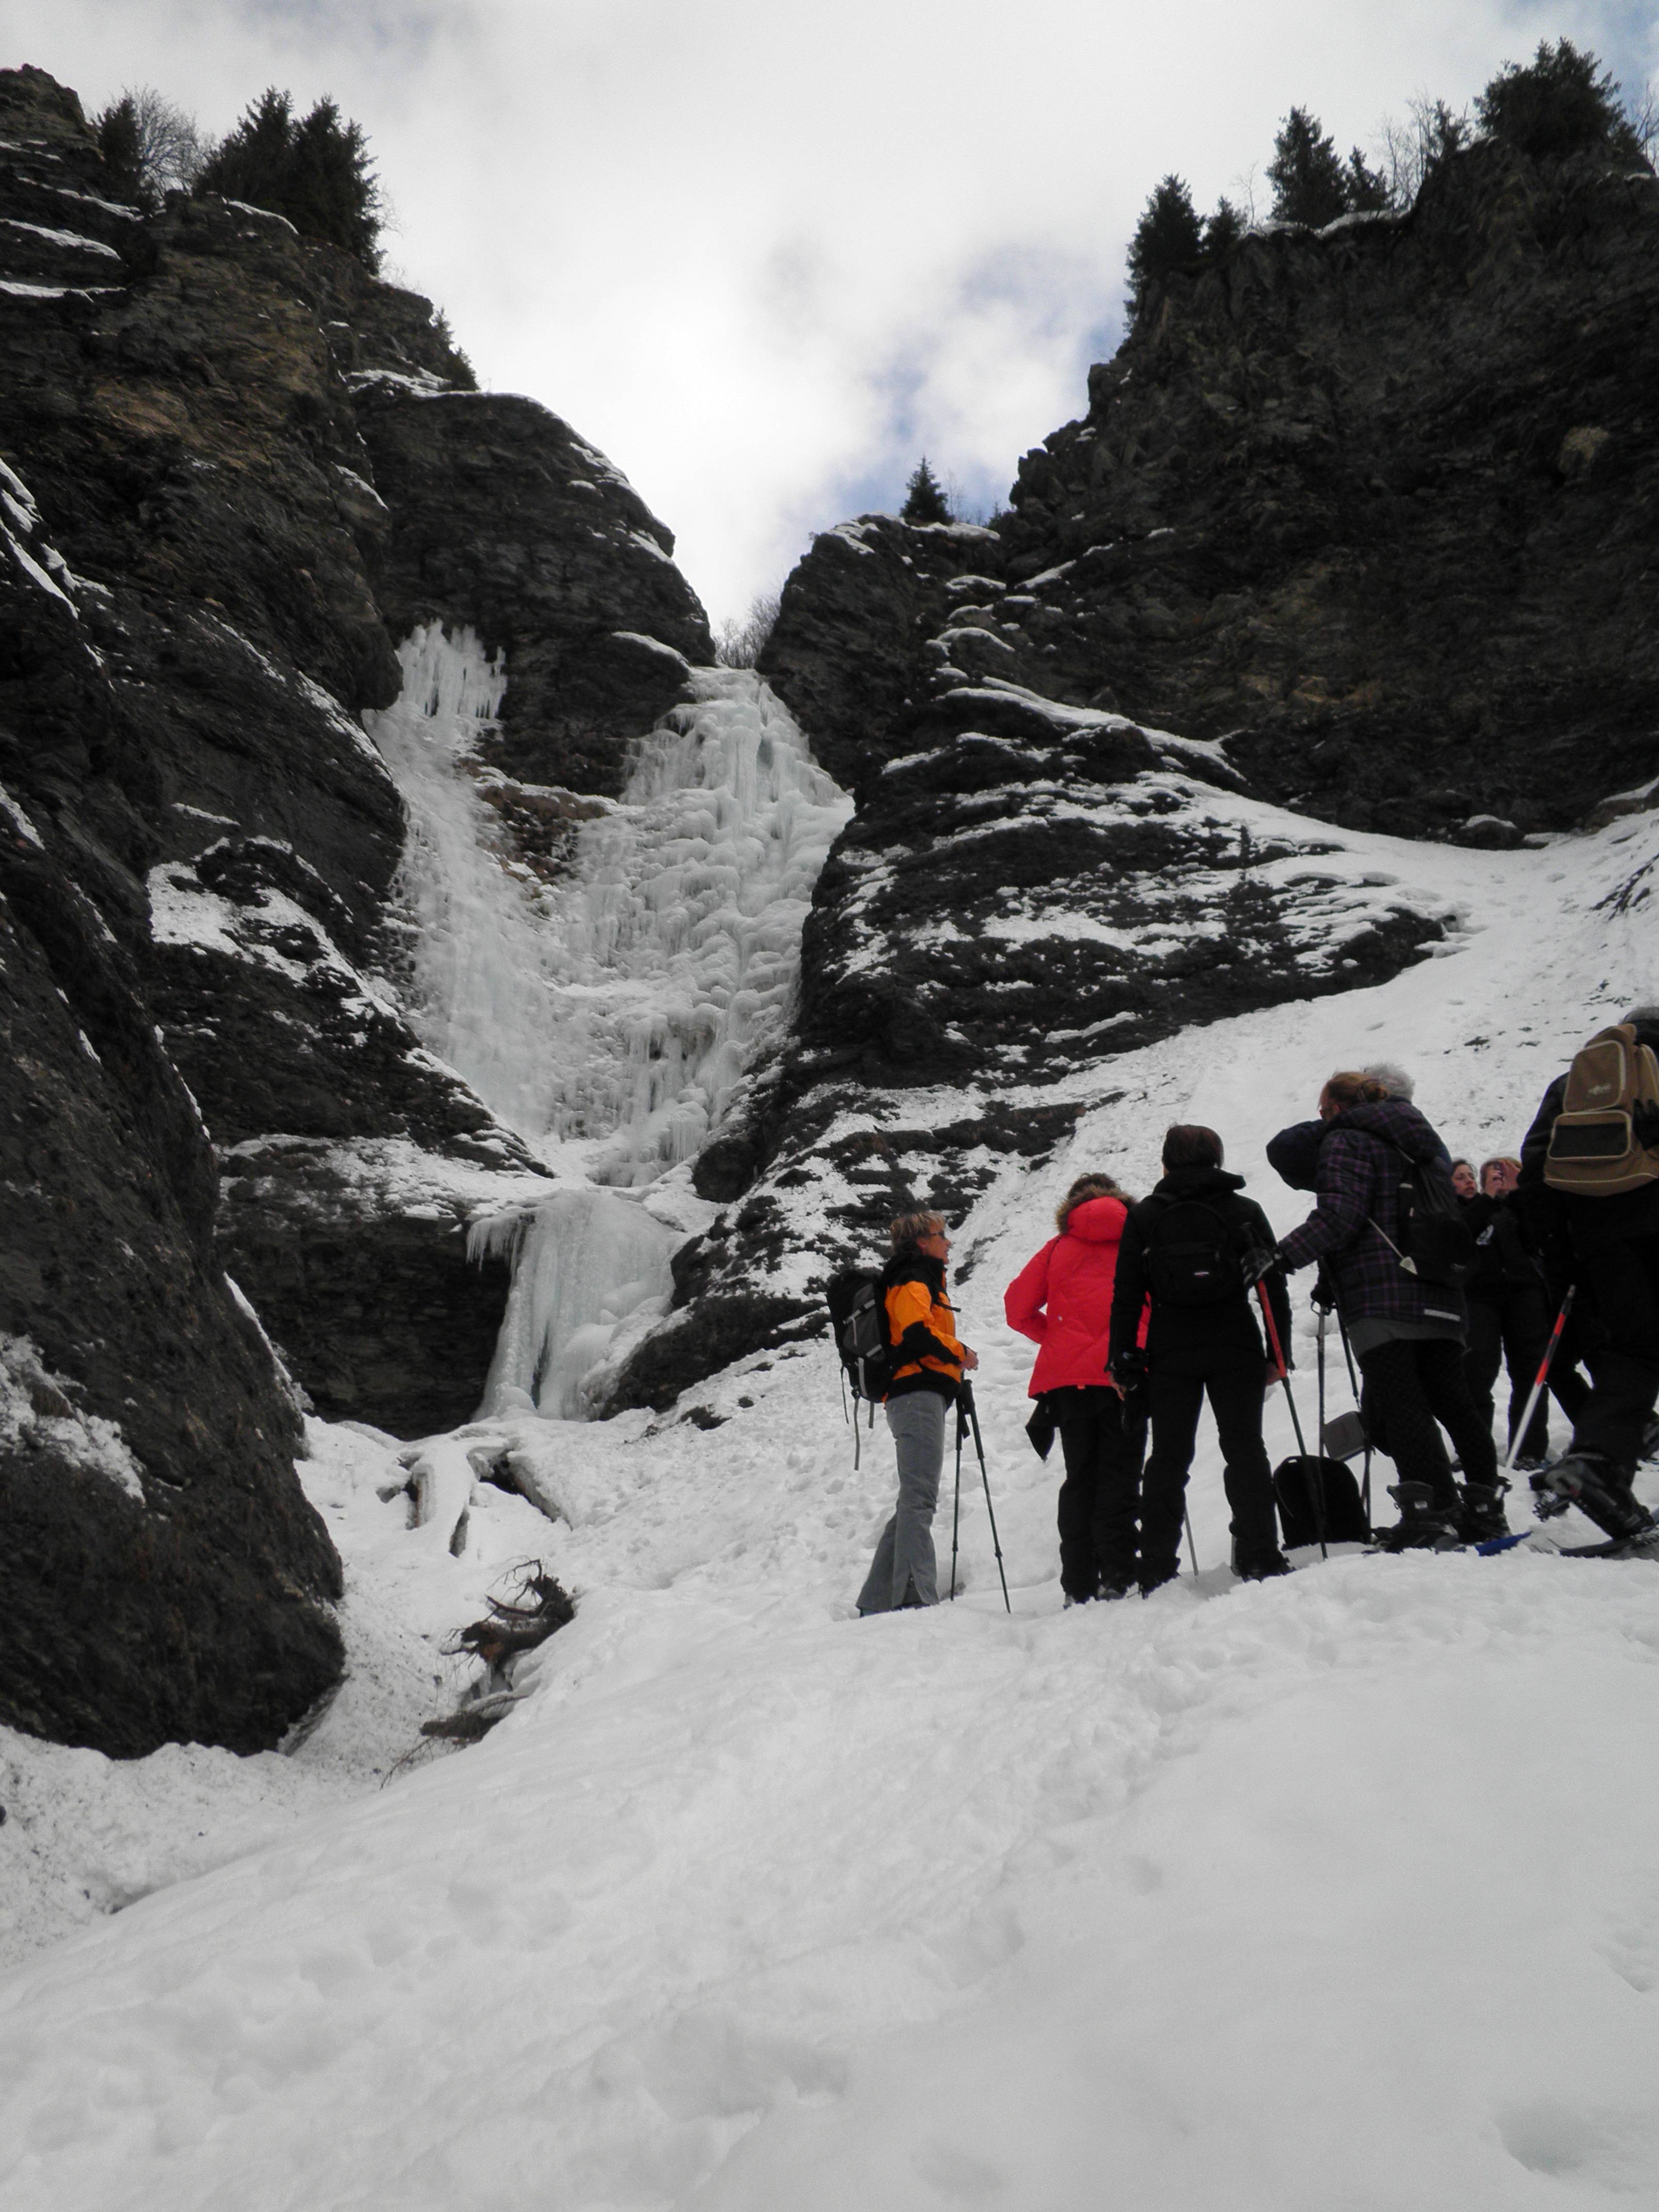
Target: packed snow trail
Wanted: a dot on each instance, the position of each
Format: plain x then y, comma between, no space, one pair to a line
1335,1891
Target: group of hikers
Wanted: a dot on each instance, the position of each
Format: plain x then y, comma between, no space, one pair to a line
1142,1308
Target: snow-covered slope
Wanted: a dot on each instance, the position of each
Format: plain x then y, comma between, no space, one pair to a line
1335,1891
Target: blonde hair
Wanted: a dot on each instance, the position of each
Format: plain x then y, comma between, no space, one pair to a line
905,1228
1087,1187
1350,1088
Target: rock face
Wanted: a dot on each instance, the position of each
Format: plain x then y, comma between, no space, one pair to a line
203,586
1368,505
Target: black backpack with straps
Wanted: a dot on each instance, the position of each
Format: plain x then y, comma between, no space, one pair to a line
1194,1255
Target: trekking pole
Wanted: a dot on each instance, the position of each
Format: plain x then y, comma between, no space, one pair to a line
1539,1379
956,1509
1311,1476
968,1407
1191,1548
1353,1385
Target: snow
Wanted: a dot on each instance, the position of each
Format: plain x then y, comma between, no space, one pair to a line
38,1413
70,237
1335,1891
19,290
20,821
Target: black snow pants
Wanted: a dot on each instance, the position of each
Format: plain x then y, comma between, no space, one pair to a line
1235,1386
1103,1440
1414,1384
1511,1326
1624,1278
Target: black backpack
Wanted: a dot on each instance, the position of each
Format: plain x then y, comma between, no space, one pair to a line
858,1314
1436,1244
1192,1255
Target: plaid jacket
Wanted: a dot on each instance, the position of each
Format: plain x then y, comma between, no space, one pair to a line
1357,1220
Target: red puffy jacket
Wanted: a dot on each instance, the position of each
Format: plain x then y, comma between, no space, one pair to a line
1062,1298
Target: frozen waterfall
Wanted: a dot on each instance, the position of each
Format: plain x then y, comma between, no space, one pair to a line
610,1016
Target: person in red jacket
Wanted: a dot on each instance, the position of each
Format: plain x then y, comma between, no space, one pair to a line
1062,1299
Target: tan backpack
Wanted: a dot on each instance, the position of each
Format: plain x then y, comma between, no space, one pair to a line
1605,1138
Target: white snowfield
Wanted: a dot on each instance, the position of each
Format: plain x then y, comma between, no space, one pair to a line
1331,1895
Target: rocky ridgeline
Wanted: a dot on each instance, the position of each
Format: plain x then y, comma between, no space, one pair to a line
1370,505
238,470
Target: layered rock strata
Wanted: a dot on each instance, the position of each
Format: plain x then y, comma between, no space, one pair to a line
1369,506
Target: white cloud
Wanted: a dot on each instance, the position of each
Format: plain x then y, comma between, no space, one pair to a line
765,254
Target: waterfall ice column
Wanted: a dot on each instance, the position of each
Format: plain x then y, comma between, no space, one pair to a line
612,1018
621,1008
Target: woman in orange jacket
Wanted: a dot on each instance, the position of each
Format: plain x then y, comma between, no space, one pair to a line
932,1360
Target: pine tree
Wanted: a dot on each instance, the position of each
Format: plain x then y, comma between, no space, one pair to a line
1222,230
1309,181
1561,102
1168,237
923,498
315,172
1367,189
116,130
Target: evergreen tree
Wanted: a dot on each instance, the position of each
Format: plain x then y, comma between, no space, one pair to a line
1168,237
1310,183
1366,188
1562,101
116,130
316,172
923,498
1222,230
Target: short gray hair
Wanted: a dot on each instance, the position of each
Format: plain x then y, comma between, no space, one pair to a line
1393,1078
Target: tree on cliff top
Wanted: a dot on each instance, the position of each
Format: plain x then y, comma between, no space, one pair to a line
1309,181
1560,102
924,497
316,172
1168,237
149,146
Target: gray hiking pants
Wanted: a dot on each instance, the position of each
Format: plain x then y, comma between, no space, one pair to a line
904,1555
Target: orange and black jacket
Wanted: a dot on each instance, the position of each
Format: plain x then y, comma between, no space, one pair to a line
920,1327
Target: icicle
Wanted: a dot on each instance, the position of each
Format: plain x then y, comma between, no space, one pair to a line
586,1261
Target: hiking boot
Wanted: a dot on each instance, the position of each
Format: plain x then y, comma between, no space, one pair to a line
1595,1486
1109,1590
1262,1568
1482,1514
1155,1578
1425,1525
1528,1463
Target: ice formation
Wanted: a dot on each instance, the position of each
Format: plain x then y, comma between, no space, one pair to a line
612,1018
586,1260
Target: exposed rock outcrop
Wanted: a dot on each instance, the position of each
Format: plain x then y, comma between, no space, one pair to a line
1369,504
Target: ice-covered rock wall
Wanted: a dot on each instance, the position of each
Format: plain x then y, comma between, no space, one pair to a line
611,1016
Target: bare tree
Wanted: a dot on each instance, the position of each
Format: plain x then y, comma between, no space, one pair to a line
739,643
151,142
1407,150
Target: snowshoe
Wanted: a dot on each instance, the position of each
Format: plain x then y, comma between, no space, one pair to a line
1425,1524
1481,1518
1593,1484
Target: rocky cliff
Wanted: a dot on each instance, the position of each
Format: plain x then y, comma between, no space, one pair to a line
236,473
1370,506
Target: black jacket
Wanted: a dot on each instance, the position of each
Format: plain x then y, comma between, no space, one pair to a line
1504,1256
1181,1336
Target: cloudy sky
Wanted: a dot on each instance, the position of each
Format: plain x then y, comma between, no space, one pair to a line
765,253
